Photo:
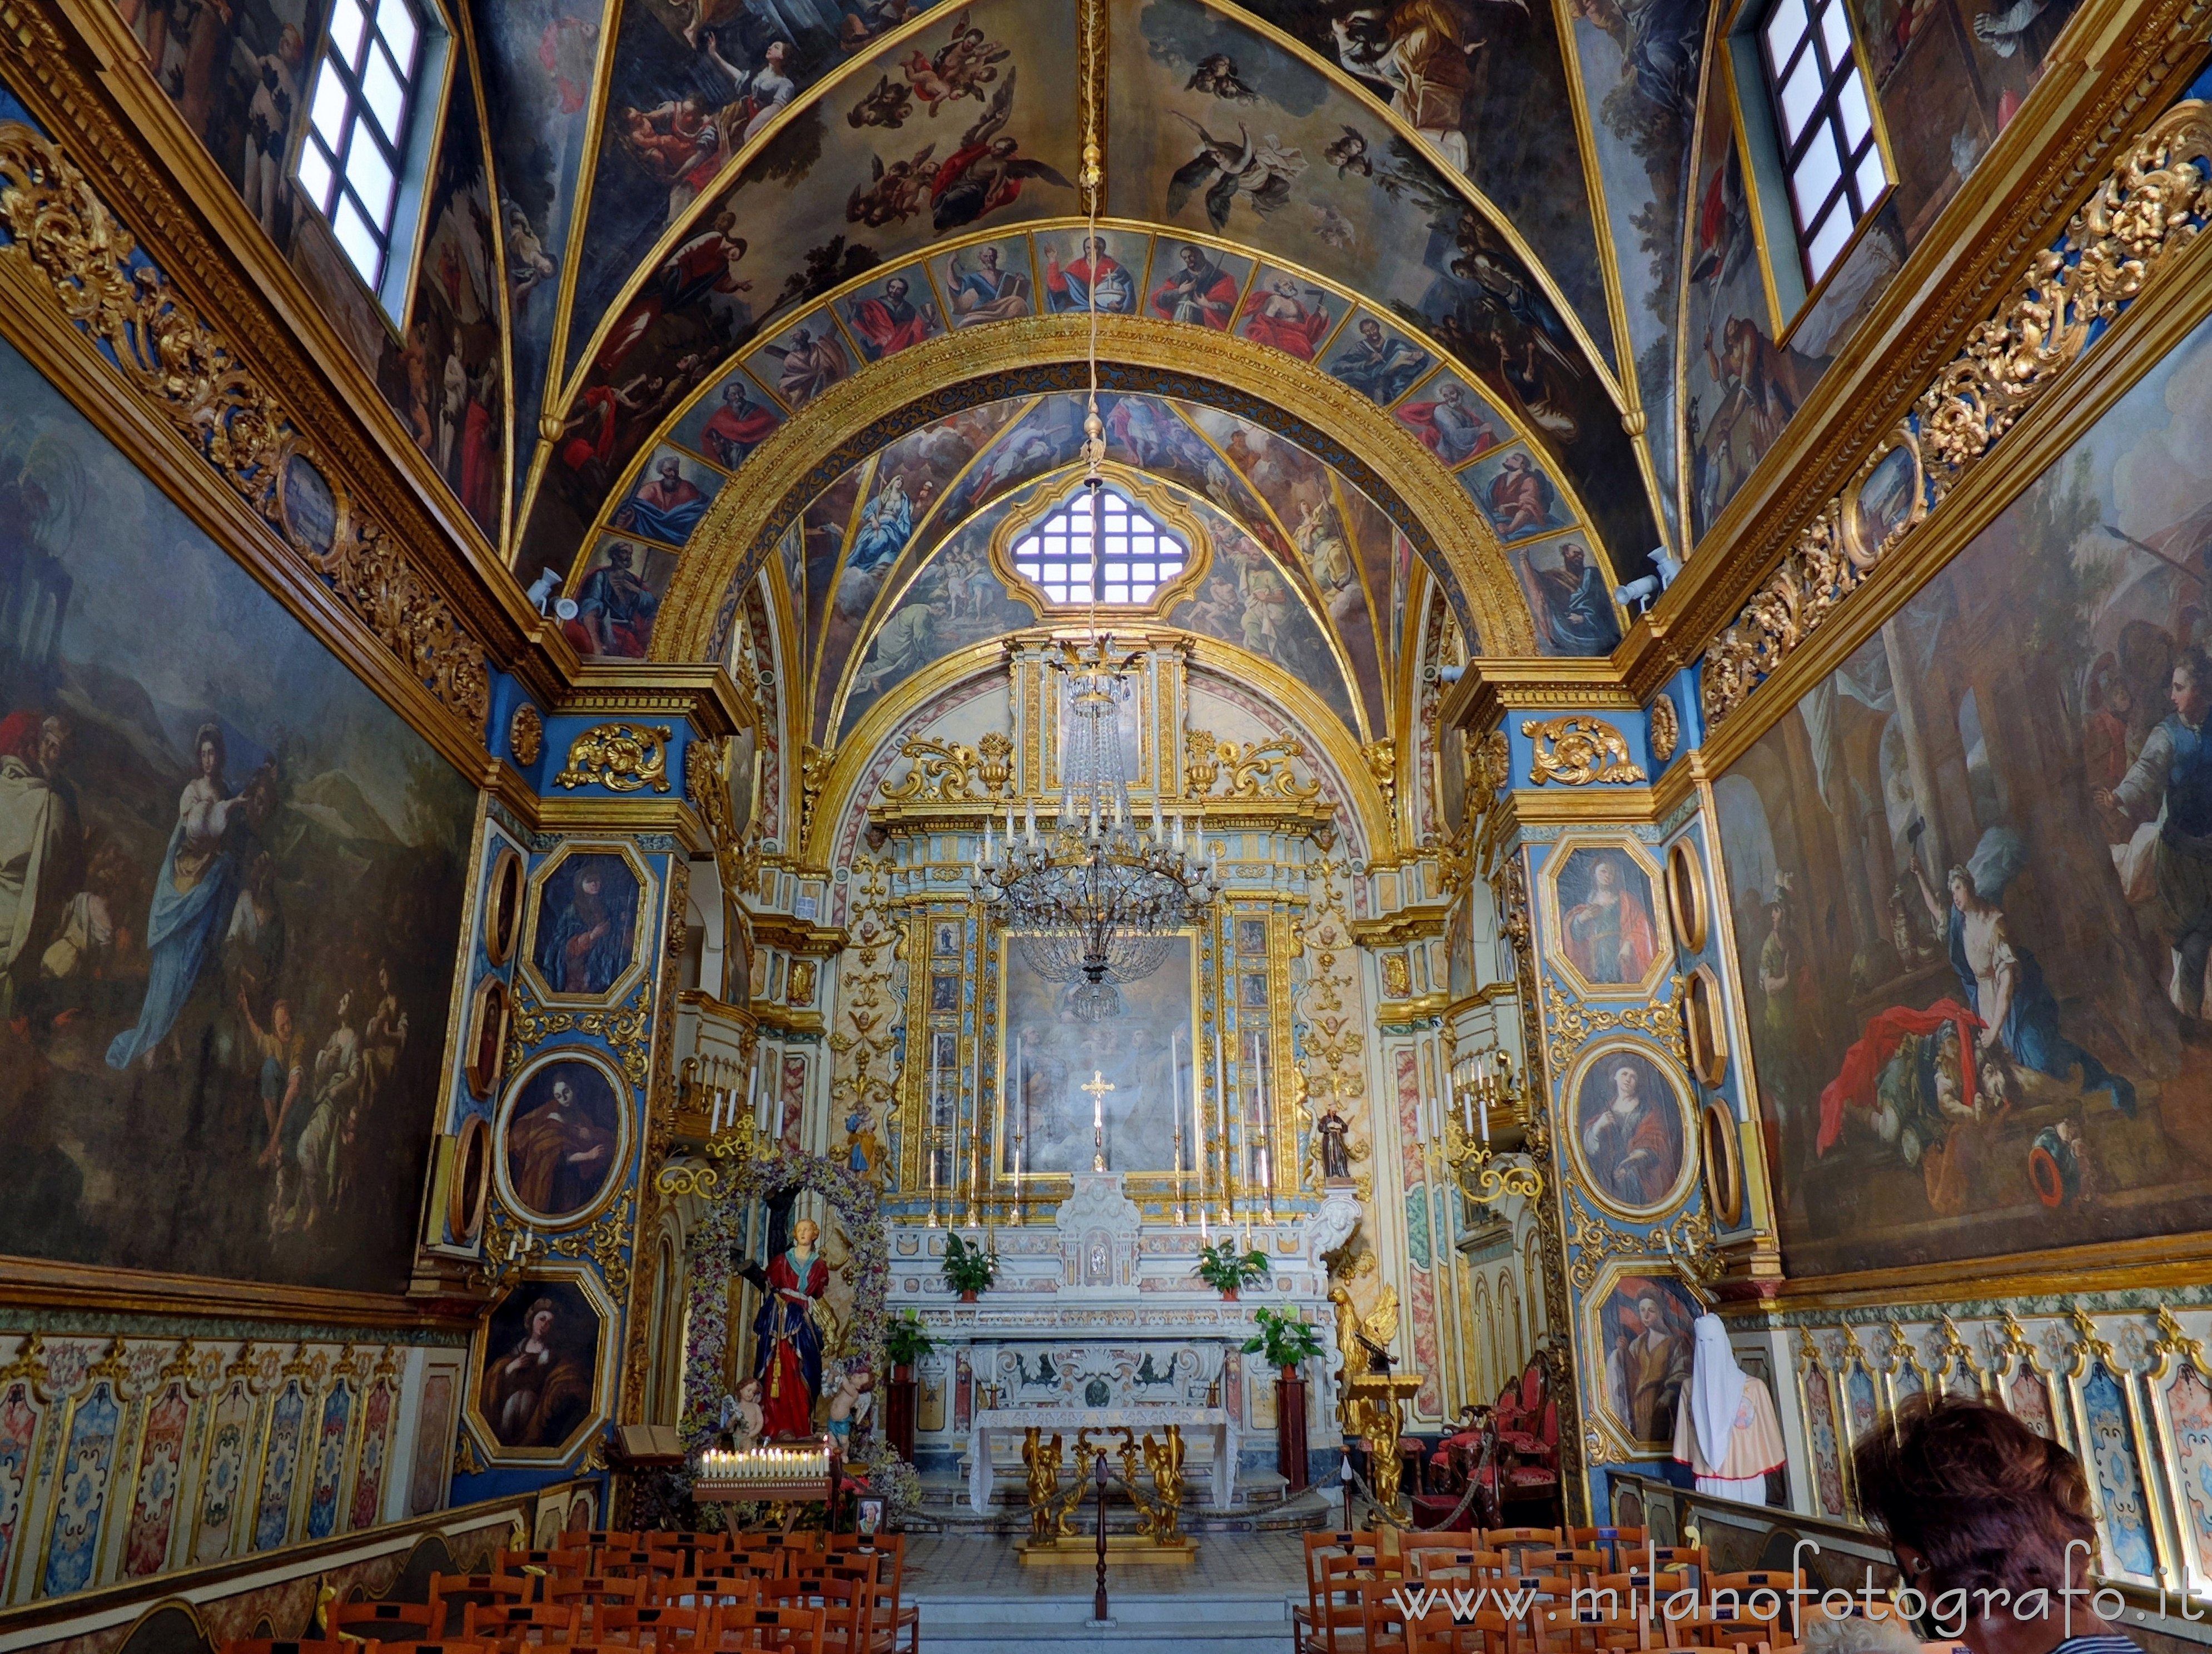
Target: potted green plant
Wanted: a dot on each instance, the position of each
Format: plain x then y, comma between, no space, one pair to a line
906,1341
1286,1339
1225,1269
968,1269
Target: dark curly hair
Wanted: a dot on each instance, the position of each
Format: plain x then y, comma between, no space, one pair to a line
1989,1503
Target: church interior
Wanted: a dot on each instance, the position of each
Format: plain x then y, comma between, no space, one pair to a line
1234,823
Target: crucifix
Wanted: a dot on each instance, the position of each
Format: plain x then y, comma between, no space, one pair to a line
1099,1087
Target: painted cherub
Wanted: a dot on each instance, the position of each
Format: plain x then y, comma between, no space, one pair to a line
742,1418
850,1405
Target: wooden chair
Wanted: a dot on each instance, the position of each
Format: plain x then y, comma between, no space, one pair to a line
843,1603
1432,1565
1748,1593
539,1565
282,1645
1616,1542
1336,1609
660,1626
591,1593
613,1539
508,1628
706,1592
786,1629
1382,1618
450,1593
645,1564
888,1613
405,1622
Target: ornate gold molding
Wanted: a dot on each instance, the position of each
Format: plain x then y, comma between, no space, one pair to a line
621,757
2152,203
729,534
1665,727
191,377
1576,751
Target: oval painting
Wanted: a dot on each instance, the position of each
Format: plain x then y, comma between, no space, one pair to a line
1628,1129
562,1140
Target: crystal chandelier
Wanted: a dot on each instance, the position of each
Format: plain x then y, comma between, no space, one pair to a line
1094,901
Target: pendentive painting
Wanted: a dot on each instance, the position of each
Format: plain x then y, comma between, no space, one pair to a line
232,883
1140,1057
1971,873
562,1140
584,932
541,1361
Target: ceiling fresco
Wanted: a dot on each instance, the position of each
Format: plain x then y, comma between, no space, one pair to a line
679,187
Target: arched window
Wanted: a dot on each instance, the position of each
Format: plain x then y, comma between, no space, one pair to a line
1120,556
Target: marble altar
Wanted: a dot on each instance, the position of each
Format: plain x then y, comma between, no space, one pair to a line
1104,1424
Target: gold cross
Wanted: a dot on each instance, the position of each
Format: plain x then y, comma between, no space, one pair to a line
1099,1087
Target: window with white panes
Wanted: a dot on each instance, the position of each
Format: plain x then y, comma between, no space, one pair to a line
1829,153
363,92
1117,556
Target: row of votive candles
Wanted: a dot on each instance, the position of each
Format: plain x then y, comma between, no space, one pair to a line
764,1463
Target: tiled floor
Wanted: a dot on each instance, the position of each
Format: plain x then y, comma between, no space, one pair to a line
1228,1564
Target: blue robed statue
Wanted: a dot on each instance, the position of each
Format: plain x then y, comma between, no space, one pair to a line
787,1332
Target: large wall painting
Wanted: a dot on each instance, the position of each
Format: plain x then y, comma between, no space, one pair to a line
1051,1054
1641,1318
1971,881
233,883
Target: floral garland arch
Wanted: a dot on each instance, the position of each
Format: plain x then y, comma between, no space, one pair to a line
727,1186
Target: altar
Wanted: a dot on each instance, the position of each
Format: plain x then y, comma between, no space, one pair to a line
1098,1320
1100,1426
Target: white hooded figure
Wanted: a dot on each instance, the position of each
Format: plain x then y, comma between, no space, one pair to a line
1725,1429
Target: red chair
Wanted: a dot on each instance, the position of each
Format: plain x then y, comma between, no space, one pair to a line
1528,1424
788,1629
280,1645
510,1627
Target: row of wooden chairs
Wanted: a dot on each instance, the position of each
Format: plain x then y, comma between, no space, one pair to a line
671,1593
1372,1616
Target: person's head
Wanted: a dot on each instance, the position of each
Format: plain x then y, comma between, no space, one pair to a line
1004,146
736,395
207,751
671,468
1287,286
1627,1085
541,1317
2192,685
1094,247
1961,885
562,1097
894,288
1192,258
988,258
806,1232
280,1020
1971,1499
620,553
725,222
1648,1311
588,880
1572,558
749,1390
1451,392
1517,461
777,51
801,339
1370,330
1606,876
57,734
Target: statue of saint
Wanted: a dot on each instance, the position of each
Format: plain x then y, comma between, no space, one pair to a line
1335,1152
787,1331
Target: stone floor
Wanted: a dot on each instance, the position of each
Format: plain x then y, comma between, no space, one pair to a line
977,1596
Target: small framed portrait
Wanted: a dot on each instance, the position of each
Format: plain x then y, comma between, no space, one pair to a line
1602,920
1686,894
1704,1030
944,992
1643,1316
1631,1129
946,939
1723,1164
503,893
540,1369
587,919
1892,496
471,1182
564,1136
491,1009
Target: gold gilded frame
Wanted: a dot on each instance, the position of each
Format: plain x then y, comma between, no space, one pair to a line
2090,1351
1555,865
1686,1117
1591,1310
506,904
617,1168
2174,1350
1687,901
606,1357
641,958
1722,1164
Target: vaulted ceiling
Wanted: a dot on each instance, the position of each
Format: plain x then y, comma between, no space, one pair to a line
1359,266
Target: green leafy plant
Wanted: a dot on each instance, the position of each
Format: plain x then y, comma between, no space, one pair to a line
1225,1269
968,1268
1285,1338
906,1341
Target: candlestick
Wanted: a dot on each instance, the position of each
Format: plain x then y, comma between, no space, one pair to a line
1175,1099
1221,1120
